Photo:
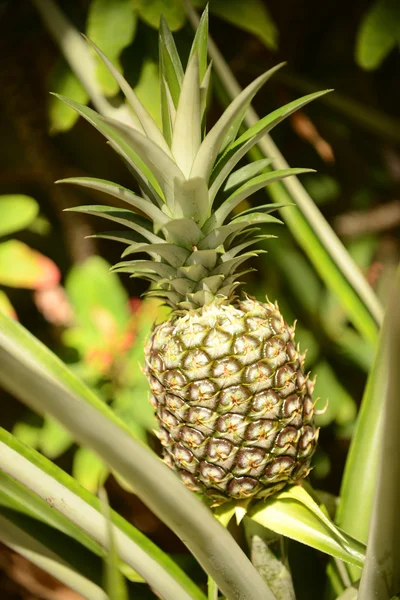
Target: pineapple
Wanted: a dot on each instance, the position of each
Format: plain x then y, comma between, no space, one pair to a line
228,387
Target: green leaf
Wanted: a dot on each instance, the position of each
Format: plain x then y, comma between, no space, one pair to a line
116,133
122,193
52,496
252,16
16,212
53,440
378,34
341,407
6,307
119,215
147,89
186,134
294,513
211,145
170,63
50,561
308,226
200,44
89,470
114,580
148,126
381,575
242,175
64,81
151,10
112,26
22,267
34,374
247,189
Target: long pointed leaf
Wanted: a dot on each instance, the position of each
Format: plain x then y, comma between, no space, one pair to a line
120,192
30,371
246,190
186,136
211,144
200,43
288,515
149,127
51,486
170,63
119,215
245,142
381,574
29,547
244,174
117,136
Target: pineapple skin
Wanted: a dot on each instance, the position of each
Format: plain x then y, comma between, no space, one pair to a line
232,400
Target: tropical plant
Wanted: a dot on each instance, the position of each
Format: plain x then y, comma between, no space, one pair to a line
49,518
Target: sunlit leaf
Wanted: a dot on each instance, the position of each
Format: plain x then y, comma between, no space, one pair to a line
6,307
16,212
378,33
151,10
34,374
252,16
22,267
381,574
294,513
104,20
64,81
89,470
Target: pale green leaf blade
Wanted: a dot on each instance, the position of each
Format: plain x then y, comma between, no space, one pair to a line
120,192
249,188
191,197
200,44
146,120
186,135
242,175
378,34
170,63
174,255
381,574
104,20
76,512
17,212
111,129
246,141
122,216
34,374
211,144
114,580
304,522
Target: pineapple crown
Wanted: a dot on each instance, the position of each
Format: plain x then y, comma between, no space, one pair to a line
182,218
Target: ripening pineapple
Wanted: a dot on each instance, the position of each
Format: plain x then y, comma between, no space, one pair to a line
228,387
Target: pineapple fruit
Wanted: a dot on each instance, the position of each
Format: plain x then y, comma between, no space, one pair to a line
233,403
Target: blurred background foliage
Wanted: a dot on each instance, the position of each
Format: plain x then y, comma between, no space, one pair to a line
95,320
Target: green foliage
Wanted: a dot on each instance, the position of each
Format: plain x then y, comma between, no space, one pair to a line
252,16
64,81
379,34
16,212
151,10
104,20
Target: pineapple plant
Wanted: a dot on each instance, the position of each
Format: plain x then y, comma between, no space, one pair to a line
228,386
